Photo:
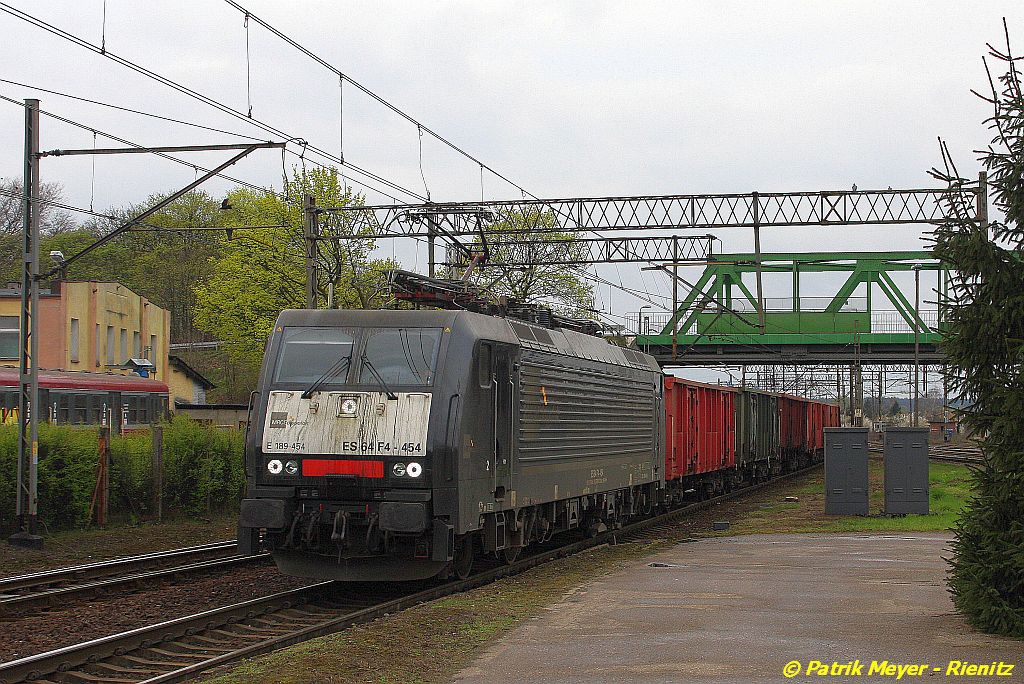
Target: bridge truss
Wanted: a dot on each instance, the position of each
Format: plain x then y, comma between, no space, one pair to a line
719,319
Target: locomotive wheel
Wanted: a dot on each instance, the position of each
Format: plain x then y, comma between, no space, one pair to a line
510,554
462,562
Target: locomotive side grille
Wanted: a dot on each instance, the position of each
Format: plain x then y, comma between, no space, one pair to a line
575,413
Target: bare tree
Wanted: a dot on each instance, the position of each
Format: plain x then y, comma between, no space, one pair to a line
52,220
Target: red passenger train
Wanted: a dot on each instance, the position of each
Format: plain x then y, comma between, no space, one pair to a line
83,398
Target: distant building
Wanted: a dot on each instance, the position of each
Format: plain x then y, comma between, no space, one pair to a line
188,386
234,416
90,326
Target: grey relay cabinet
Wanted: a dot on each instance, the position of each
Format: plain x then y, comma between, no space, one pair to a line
846,471
906,470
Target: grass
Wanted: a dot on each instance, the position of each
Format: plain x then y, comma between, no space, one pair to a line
433,642
75,547
949,488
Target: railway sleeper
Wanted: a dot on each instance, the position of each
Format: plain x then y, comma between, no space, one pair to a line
271,631
236,635
205,647
120,669
86,677
174,654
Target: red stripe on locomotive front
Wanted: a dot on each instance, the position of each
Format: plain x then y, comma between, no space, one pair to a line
319,467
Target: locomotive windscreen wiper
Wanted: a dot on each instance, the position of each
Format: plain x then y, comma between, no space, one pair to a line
337,368
366,362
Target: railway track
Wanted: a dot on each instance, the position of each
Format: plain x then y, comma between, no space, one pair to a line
41,590
946,452
182,648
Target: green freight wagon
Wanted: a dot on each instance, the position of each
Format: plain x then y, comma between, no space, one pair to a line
757,435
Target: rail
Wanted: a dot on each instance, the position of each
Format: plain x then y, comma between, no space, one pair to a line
180,649
946,452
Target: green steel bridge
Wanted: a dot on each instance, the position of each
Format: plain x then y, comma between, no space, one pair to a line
868,320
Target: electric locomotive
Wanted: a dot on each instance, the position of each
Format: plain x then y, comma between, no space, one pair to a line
396,445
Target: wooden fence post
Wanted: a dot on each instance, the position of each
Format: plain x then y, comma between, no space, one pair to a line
158,471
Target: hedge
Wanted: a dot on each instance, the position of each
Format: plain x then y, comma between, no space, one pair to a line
203,472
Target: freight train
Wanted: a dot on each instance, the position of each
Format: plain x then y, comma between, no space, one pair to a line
398,445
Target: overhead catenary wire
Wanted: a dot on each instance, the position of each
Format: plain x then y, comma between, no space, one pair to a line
248,67
123,141
131,111
265,126
205,99
377,98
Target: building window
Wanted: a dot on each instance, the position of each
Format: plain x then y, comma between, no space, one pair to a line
111,350
99,356
10,340
73,344
124,346
136,345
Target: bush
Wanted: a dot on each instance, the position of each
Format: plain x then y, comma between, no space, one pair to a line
203,472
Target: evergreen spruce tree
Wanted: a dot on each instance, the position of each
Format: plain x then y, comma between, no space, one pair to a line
984,346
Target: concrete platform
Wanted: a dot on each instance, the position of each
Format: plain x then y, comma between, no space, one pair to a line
738,609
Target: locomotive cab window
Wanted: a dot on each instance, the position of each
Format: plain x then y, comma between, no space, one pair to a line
309,353
403,356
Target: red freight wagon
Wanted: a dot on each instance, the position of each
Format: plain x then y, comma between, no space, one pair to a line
700,425
794,414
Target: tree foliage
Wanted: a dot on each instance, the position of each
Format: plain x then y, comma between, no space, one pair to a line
530,238
260,272
984,346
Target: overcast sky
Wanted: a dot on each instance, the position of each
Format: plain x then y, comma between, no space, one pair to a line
567,99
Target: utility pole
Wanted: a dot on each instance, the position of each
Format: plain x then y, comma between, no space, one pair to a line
881,390
917,340
28,410
675,292
431,232
757,260
311,231
27,533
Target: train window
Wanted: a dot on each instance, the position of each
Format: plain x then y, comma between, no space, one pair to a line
403,356
80,410
63,408
308,353
483,370
95,410
138,409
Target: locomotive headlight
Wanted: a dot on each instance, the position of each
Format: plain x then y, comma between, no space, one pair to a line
349,406
275,467
291,467
414,470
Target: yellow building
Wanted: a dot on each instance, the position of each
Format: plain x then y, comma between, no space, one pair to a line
89,326
187,385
